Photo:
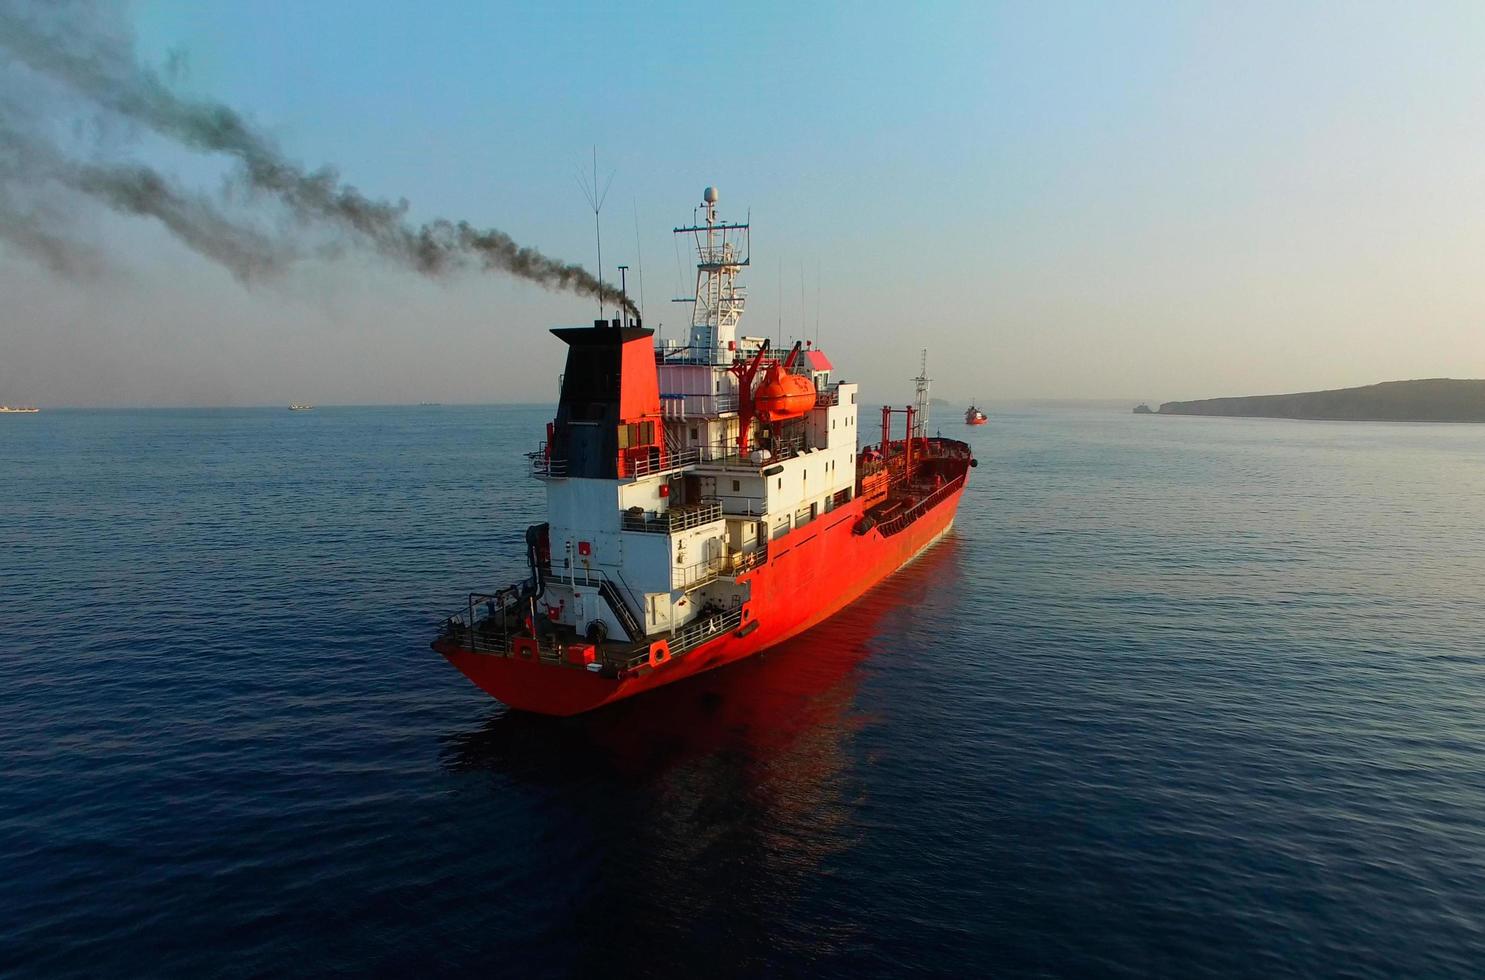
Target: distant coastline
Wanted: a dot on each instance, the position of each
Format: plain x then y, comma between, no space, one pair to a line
1426,400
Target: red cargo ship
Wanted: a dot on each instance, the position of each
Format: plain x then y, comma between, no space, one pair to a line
705,500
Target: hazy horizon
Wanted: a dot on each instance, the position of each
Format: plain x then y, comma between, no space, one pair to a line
902,396
1095,204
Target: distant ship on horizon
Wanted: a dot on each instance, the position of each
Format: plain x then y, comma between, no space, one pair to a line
975,417
297,407
18,409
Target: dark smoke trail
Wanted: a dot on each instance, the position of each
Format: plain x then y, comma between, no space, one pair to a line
29,232
133,189
128,189
108,75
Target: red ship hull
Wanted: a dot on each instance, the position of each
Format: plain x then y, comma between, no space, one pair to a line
811,574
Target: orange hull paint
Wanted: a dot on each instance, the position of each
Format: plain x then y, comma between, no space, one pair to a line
811,574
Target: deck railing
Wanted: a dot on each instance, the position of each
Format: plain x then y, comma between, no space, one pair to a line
731,565
675,519
685,354
694,576
901,521
483,635
655,466
472,639
697,406
547,467
469,636
694,634
544,467
726,456
743,561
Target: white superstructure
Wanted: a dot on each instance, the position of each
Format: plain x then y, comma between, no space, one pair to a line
663,485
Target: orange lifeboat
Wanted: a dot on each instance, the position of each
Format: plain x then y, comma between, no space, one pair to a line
783,396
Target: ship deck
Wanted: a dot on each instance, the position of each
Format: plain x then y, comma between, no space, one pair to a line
894,493
496,634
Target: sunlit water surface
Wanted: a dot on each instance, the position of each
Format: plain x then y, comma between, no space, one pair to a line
1178,697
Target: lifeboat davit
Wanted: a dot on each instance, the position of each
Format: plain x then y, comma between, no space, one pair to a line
783,396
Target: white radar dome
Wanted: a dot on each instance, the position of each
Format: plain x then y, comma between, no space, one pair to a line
709,195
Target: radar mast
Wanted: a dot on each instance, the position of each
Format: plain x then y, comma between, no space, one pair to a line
920,424
722,249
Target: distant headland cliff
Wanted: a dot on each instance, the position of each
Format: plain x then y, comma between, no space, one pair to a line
1430,400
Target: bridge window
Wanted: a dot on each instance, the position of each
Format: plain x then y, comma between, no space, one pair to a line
636,434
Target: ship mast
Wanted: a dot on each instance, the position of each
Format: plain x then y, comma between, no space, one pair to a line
722,249
921,402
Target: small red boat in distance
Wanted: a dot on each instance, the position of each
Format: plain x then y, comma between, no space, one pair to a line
975,417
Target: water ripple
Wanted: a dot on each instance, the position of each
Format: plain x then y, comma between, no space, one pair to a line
1186,697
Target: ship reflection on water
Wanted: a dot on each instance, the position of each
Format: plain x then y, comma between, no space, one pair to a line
724,795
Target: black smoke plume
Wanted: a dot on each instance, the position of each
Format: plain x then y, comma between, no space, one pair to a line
101,68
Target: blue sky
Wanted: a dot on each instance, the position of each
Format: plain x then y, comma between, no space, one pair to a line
1059,200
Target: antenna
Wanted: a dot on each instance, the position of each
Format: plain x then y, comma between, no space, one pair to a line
639,260
781,299
596,197
817,302
804,326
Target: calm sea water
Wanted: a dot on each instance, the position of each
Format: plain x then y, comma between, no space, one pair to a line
1179,697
